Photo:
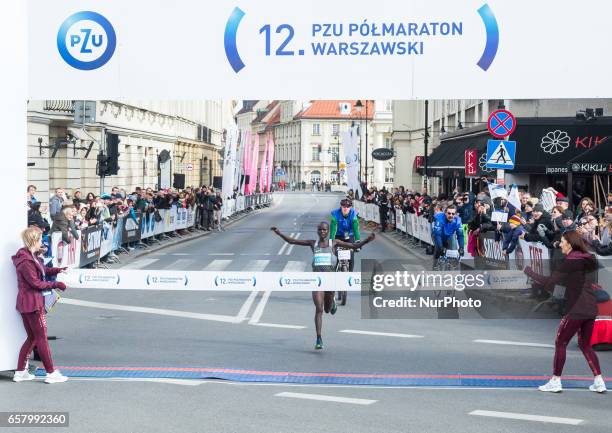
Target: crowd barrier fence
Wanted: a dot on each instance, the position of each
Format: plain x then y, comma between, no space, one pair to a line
97,241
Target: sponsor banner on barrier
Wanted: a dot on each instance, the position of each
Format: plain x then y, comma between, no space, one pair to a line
190,219
65,254
91,241
147,225
160,226
95,242
117,236
108,232
400,222
131,230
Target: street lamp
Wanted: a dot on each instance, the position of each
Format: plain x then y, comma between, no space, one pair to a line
359,106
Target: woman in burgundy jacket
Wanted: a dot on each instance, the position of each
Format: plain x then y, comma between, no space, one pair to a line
575,273
31,305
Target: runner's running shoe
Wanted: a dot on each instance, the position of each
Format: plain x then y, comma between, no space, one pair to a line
319,343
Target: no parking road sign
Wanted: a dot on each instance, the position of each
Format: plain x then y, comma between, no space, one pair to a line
501,154
501,123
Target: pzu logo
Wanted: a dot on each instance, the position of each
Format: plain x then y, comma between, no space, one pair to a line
86,40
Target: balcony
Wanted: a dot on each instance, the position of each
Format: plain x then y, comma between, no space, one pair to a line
60,106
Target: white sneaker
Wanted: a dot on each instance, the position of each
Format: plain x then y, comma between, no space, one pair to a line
55,377
22,376
598,385
553,385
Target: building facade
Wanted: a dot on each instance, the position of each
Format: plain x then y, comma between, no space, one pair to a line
457,125
62,149
310,143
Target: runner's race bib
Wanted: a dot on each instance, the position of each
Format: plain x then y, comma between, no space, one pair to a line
344,255
322,259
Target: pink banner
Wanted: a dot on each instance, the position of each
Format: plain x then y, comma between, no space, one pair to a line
270,162
263,174
246,158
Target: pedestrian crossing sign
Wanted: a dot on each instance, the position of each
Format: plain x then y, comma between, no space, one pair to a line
501,154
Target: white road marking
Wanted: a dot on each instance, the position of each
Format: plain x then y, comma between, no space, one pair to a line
184,382
321,397
244,310
285,245
381,334
182,264
514,343
256,265
140,264
220,254
527,417
278,325
260,308
217,265
158,311
180,254
295,266
395,387
288,252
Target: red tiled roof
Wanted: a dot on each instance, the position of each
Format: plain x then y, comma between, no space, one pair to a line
275,119
330,109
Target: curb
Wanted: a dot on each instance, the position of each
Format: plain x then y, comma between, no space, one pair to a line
189,236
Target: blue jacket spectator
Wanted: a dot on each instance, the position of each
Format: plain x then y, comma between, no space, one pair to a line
445,225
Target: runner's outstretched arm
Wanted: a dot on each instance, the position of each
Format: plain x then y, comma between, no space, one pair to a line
355,245
302,242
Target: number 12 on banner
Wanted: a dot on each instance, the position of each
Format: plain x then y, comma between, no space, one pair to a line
280,51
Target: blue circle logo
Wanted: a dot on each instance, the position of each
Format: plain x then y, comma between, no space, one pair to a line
86,40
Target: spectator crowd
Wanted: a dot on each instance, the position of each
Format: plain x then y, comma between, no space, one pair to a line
531,221
68,213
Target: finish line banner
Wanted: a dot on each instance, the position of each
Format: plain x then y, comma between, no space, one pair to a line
211,281
339,49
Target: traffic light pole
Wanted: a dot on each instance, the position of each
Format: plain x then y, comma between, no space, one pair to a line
102,146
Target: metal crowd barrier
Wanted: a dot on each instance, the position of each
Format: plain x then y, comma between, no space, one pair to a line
97,241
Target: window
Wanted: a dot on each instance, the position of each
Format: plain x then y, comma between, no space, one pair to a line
316,152
388,174
470,116
388,143
335,129
316,129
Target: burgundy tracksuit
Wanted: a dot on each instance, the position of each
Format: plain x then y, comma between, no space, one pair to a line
580,308
31,305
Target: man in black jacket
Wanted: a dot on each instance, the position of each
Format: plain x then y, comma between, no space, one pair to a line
383,208
482,218
539,228
209,206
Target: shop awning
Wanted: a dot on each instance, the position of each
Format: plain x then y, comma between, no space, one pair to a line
449,157
547,145
597,160
544,145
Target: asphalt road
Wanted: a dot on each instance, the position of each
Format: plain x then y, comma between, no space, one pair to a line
276,333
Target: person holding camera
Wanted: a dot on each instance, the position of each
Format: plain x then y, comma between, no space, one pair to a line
539,227
31,274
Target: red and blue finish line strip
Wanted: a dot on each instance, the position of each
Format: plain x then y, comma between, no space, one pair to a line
380,379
